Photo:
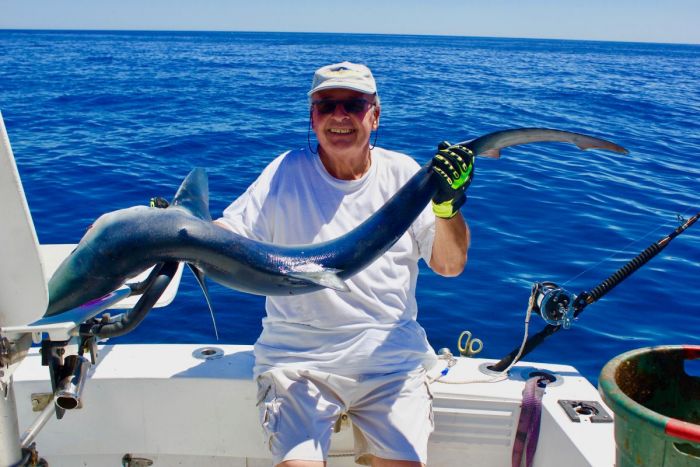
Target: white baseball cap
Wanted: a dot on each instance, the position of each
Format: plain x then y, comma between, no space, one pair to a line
345,75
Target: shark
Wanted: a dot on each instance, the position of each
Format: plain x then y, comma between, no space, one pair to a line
123,243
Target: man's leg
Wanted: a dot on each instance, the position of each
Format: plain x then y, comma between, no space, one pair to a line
392,420
379,462
297,413
301,464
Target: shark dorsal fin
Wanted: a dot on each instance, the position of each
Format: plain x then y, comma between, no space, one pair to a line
193,194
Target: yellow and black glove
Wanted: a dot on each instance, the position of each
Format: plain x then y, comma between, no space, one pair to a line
455,166
158,202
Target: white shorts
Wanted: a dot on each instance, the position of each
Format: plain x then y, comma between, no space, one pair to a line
391,414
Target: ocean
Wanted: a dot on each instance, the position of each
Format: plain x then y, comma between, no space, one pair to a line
106,120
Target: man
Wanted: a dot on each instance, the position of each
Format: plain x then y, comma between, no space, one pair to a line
360,353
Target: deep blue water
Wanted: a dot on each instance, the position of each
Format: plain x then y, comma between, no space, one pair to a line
105,120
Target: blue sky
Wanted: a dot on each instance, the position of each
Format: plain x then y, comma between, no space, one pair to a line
620,20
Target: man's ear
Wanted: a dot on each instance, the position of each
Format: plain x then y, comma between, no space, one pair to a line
377,112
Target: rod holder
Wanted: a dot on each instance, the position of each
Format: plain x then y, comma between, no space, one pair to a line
70,386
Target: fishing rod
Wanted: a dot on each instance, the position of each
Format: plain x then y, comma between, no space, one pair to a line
559,307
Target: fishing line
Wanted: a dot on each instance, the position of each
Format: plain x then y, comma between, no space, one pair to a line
679,217
559,307
498,376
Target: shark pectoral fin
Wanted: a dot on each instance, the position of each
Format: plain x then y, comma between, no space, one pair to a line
326,278
202,283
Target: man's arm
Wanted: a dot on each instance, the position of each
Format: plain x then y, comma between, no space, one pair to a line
455,166
452,239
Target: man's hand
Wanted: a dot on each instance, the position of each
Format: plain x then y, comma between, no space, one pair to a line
455,166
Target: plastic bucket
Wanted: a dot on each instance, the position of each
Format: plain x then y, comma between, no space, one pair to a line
656,405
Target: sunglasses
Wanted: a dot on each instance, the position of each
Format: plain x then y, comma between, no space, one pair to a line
351,106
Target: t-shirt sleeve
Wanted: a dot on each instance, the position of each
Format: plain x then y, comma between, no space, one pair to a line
243,215
251,215
423,229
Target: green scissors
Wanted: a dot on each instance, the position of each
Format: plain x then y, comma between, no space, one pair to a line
471,347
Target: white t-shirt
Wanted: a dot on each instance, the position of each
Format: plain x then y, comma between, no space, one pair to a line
370,330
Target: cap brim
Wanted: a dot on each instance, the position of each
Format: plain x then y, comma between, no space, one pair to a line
344,85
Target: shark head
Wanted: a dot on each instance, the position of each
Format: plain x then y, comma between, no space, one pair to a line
93,268
108,254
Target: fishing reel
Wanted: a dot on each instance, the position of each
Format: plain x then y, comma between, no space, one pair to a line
553,303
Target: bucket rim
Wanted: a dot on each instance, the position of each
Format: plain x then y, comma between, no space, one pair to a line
618,400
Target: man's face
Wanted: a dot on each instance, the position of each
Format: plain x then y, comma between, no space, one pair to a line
343,128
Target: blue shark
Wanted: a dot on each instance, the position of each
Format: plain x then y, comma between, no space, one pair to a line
121,244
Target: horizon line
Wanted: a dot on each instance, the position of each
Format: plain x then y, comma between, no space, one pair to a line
344,33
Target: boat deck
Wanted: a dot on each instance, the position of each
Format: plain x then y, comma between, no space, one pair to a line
165,404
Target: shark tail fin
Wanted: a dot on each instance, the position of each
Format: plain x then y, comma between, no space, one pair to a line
193,194
490,145
202,283
491,153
